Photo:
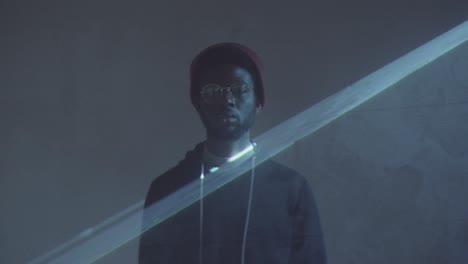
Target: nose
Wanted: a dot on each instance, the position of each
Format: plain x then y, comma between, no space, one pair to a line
228,98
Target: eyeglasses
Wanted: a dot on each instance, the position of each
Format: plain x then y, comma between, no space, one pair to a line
214,94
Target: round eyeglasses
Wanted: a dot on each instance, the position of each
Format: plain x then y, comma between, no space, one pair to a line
214,93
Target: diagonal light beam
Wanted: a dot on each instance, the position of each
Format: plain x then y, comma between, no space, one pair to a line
96,242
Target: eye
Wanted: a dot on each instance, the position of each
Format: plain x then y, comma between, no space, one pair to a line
239,88
210,89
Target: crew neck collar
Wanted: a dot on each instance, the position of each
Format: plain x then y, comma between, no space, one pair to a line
213,160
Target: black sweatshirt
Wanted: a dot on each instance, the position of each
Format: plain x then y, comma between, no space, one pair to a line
273,220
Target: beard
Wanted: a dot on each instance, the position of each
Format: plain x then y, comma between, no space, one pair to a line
231,131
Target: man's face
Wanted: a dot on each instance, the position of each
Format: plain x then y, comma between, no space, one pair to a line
232,116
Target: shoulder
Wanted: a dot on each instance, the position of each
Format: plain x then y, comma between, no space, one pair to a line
185,171
279,172
162,185
278,177
166,178
171,180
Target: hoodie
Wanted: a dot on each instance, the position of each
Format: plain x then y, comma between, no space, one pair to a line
266,215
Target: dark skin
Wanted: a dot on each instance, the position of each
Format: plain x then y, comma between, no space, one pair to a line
227,136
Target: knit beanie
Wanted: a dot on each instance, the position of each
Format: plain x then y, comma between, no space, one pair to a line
228,53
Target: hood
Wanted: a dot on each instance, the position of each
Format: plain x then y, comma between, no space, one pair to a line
193,155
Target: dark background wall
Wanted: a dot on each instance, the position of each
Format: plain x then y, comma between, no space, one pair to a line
94,104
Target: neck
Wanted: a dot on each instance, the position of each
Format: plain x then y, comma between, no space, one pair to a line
227,148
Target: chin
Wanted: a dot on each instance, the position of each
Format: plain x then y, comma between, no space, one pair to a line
226,133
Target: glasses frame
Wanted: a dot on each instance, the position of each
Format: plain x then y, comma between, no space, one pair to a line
223,90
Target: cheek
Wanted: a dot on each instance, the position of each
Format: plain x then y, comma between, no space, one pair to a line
247,100
251,101
203,111
249,109
208,111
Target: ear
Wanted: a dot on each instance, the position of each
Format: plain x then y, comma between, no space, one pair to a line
196,103
259,108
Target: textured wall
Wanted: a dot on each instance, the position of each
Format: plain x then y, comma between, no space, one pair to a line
392,175
94,105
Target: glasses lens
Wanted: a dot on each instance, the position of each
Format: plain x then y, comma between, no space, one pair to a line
210,93
238,89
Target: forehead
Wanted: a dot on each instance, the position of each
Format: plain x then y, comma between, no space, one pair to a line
225,74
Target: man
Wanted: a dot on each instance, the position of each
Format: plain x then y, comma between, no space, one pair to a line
267,215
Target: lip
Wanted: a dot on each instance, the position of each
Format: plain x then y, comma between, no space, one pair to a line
229,120
228,114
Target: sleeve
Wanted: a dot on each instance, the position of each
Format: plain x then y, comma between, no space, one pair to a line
307,246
